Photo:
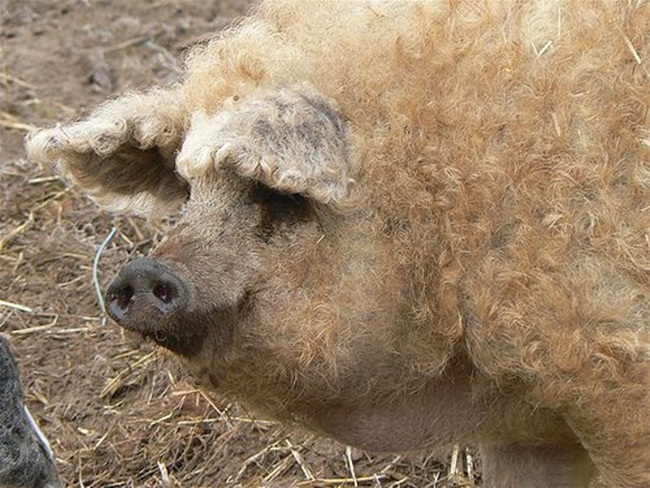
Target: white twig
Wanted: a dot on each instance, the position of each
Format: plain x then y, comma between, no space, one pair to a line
453,465
470,466
16,306
98,291
634,52
305,469
350,463
164,474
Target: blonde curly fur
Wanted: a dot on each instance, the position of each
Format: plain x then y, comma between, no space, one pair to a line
492,185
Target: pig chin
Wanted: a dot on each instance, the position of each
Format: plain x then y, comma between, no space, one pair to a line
184,337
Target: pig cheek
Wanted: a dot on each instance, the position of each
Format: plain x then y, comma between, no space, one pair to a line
221,346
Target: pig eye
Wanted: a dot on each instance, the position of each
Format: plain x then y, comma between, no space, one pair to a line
280,204
278,210
283,205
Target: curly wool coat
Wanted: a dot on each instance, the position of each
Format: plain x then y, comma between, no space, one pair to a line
470,257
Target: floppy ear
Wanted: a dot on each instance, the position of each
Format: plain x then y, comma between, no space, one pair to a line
123,154
290,141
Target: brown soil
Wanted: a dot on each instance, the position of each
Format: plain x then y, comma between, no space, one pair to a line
119,412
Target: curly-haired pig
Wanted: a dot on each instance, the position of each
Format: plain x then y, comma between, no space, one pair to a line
404,224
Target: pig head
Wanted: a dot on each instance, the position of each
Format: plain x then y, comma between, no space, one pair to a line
249,228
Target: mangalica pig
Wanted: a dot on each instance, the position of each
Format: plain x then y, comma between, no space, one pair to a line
404,224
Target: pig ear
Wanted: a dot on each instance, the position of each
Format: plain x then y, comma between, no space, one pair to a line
290,141
123,154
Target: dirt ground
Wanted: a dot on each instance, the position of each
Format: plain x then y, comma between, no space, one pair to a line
119,412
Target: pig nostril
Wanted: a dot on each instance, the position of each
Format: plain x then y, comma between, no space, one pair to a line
164,292
124,296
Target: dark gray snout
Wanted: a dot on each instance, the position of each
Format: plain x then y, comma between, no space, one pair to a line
144,296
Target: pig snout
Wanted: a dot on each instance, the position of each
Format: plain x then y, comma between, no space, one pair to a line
145,296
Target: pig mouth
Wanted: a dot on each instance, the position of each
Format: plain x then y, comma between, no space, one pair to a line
189,334
186,340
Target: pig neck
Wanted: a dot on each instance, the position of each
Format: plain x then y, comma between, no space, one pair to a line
441,412
460,406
